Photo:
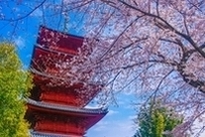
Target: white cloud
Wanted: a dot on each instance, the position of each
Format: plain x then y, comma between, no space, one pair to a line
112,128
112,112
132,117
37,13
19,42
101,126
129,92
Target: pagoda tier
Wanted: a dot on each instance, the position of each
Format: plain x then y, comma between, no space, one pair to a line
56,106
60,119
42,134
59,95
49,81
54,51
58,41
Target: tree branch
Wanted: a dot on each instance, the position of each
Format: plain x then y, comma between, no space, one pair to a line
167,26
29,13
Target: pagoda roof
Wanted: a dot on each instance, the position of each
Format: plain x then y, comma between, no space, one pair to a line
43,134
50,50
57,40
66,108
61,79
88,116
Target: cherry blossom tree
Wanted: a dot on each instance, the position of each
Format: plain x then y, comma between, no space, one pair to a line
154,48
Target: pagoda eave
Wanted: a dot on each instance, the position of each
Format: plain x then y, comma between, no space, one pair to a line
48,77
45,113
59,41
49,134
38,105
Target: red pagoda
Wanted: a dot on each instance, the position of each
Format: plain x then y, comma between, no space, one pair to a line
57,108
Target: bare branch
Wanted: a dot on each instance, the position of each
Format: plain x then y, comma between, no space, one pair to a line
29,13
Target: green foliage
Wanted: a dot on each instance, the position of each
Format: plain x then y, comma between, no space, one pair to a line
14,85
154,119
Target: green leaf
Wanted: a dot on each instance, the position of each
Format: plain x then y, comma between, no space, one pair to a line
14,85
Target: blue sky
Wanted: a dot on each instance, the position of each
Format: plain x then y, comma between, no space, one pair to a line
119,121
